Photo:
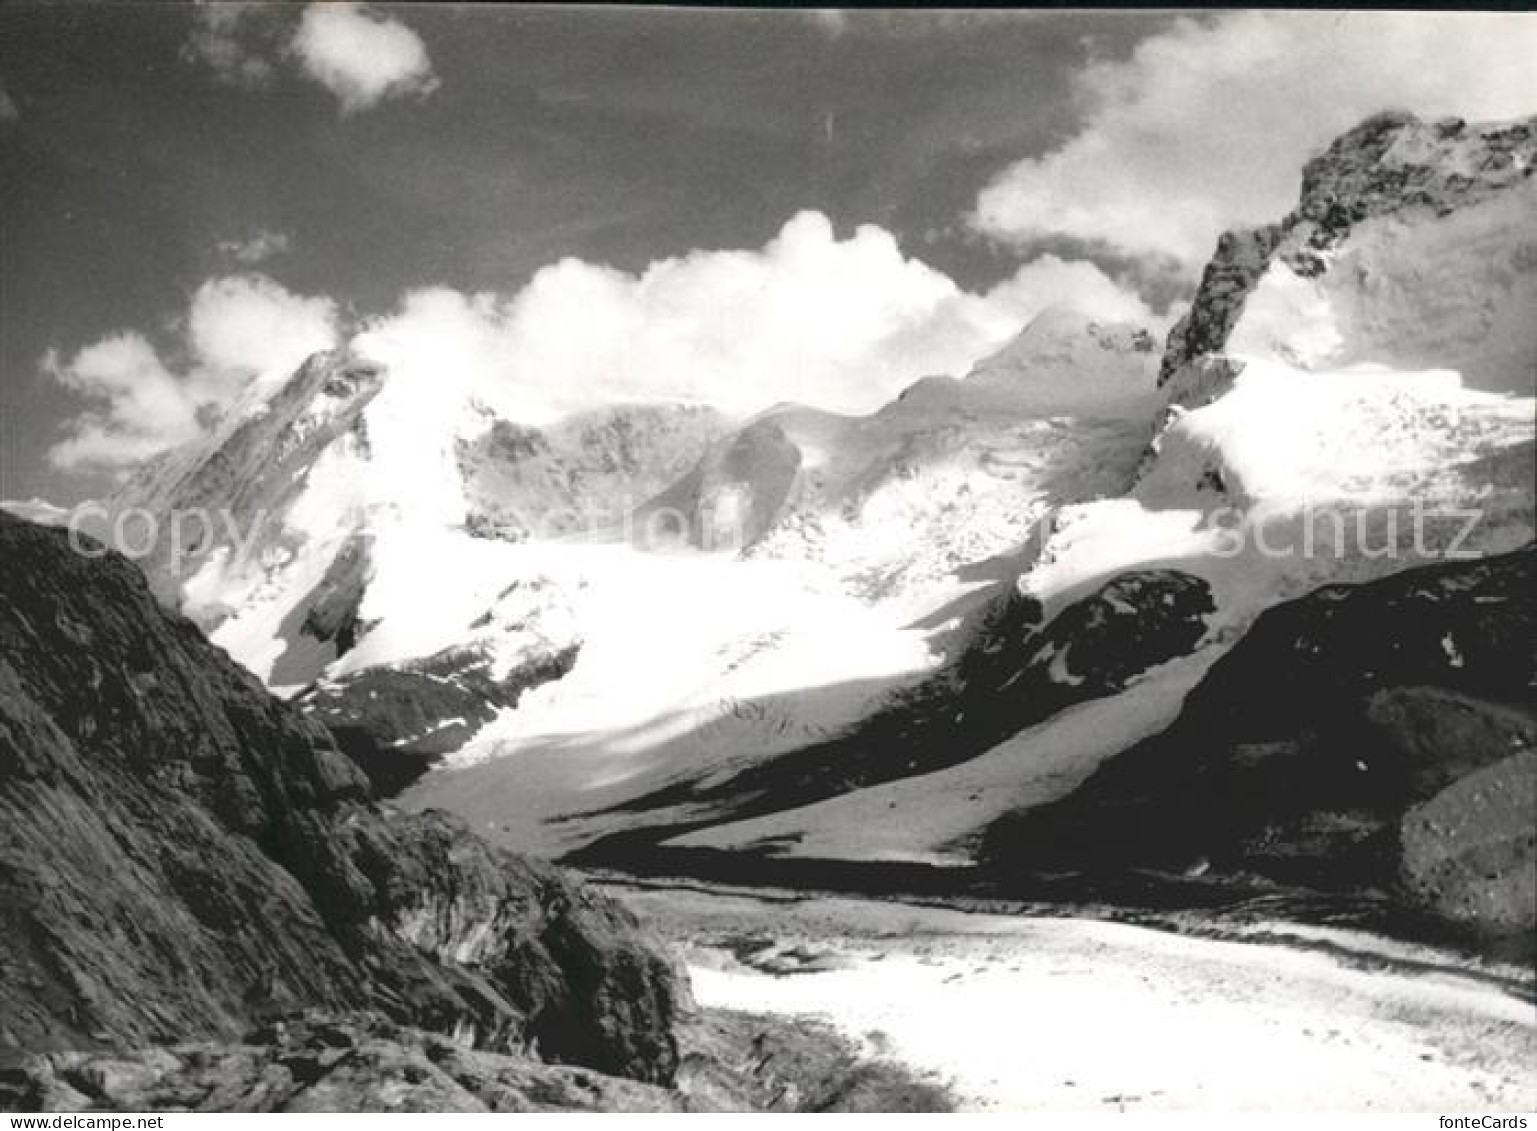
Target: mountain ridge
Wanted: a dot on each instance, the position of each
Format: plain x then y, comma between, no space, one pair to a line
187,856
1390,469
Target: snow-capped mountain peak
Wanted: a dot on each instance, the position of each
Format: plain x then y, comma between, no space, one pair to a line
1412,247
1066,362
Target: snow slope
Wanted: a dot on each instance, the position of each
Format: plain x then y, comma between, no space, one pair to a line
864,562
952,473
360,496
1456,293
1296,478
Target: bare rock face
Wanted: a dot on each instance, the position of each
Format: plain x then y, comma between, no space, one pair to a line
397,721
363,1062
185,855
1468,851
582,474
230,486
1371,737
320,1063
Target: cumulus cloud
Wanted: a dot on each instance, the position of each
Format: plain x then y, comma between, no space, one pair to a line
257,248
1207,125
841,324
362,56
234,39
844,324
1050,281
238,330
242,327
137,407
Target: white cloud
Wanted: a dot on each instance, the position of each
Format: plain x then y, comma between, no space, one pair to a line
1207,125
1049,281
362,56
257,248
232,39
245,326
238,329
137,406
912,22
842,324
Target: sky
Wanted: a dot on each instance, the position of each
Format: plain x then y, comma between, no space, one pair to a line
581,205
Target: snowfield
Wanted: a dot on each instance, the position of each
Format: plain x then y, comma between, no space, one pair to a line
704,663
1343,457
691,663
698,662
1022,1014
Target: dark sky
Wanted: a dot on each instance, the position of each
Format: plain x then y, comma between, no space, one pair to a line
615,135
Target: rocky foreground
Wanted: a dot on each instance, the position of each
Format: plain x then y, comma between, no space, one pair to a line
203,908
731,1062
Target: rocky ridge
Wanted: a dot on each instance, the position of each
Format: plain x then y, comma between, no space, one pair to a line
1391,165
1374,737
186,856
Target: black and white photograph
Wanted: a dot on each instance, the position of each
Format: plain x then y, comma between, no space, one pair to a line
640,558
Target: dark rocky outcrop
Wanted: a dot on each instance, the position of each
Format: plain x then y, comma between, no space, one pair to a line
1363,737
183,856
332,611
396,721
320,1063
